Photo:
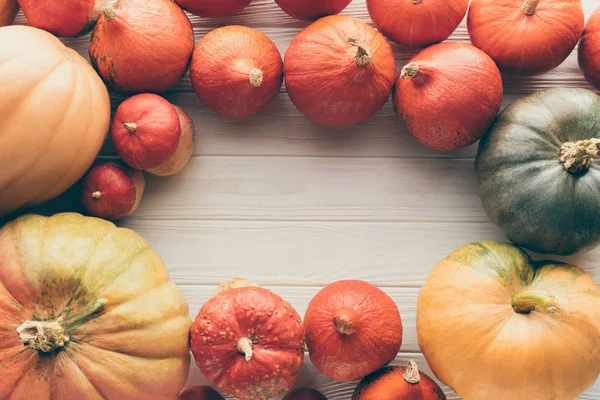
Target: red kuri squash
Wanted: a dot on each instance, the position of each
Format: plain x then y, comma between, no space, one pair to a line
142,46
526,37
236,71
8,11
201,393
448,95
417,23
352,329
589,50
304,394
312,9
248,341
339,71
213,8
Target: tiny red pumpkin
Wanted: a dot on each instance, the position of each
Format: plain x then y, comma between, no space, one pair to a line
142,46
417,23
339,71
526,37
213,8
67,19
589,50
352,329
304,394
236,71
448,95
201,393
312,9
248,341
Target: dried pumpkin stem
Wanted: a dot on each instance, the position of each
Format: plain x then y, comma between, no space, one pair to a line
256,77
109,12
244,346
43,336
345,321
130,126
97,194
529,7
363,58
411,375
577,157
416,1
410,70
526,302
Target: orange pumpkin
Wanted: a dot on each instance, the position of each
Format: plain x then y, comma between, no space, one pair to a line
56,113
213,8
88,311
8,11
589,50
65,17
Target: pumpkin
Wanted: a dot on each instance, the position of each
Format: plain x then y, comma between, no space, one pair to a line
312,9
448,95
526,37
398,383
112,191
59,114
339,71
589,50
8,11
493,324
142,46
248,341
201,393
304,394
87,311
236,71
535,171
213,8
70,18
352,329
417,23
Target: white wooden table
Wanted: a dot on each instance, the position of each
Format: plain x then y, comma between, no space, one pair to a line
295,206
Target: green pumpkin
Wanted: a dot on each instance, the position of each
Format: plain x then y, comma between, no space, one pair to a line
535,171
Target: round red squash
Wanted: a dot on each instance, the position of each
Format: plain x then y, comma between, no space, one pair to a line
8,11
448,95
248,341
526,37
417,23
339,71
213,8
236,71
201,393
312,9
142,46
352,329
589,50
390,383
304,394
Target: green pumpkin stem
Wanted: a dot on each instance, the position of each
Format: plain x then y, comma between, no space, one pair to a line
363,58
577,157
43,336
526,302
529,7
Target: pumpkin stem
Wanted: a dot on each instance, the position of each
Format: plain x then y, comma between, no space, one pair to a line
97,194
410,70
256,77
244,346
363,58
345,321
411,375
130,126
109,13
43,336
529,7
526,302
577,157
416,1
233,284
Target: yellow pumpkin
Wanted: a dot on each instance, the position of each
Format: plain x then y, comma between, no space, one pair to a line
87,311
493,324
54,116
8,11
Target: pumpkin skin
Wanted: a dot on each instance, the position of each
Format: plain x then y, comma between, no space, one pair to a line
352,329
525,187
339,71
213,8
236,71
523,44
589,50
142,46
261,352
116,326
448,95
312,9
304,394
417,23
71,18
522,329
8,11
59,114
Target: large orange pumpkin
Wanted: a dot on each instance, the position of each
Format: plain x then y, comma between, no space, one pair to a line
55,114
87,311
8,11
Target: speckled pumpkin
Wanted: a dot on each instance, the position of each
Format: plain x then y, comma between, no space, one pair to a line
87,311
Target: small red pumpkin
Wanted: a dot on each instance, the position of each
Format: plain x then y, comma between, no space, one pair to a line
526,37
417,23
312,9
248,341
69,18
589,50
398,383
352,329
236,71
213,8
305,394
339,71
448,95
201,393
112,191
142,46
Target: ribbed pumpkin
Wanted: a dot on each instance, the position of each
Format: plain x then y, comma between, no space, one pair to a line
8,11
55,112
87,311
589,50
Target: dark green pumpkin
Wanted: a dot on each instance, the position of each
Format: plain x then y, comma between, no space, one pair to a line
535,171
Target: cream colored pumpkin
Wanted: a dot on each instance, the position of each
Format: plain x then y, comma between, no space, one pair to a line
495,325
8,11
54,116
87,311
